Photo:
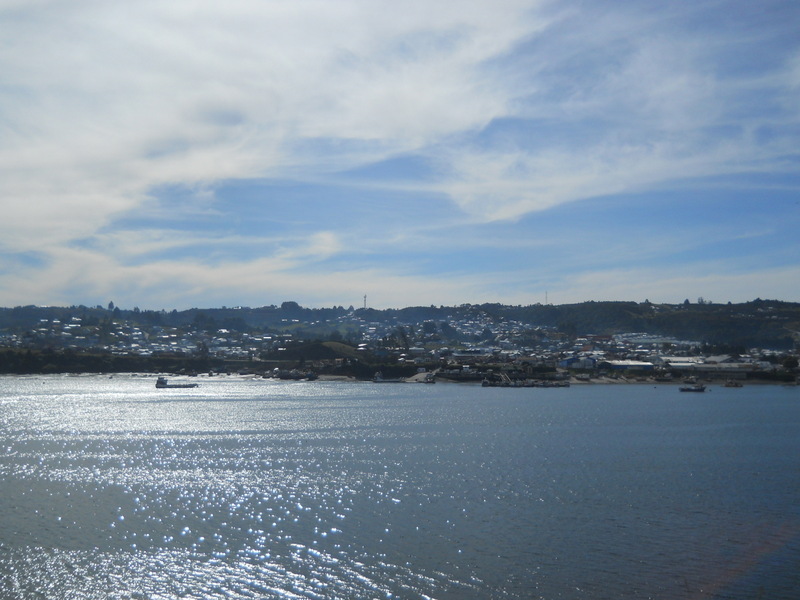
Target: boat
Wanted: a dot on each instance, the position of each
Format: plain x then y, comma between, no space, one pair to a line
379,378
693,388
733,384
162,382
294,375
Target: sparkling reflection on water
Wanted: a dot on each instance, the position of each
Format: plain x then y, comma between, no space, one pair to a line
250,488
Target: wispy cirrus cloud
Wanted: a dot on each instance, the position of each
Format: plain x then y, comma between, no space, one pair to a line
621,101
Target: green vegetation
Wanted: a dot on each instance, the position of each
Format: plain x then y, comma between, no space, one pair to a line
759,323
49,361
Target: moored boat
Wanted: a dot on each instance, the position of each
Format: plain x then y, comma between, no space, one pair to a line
379,378
693,388
162,382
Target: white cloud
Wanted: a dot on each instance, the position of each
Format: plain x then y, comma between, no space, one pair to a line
103,101
497,185
318,246
620,102
80,276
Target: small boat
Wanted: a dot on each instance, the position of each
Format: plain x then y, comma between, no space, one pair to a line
733,384
162,382
693,388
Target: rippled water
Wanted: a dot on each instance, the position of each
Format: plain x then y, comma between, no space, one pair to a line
260,489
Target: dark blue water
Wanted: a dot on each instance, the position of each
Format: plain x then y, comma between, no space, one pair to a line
260,489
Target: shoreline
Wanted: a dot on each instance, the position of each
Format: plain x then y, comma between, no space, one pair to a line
417,378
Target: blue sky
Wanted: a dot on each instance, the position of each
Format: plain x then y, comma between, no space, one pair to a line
197,154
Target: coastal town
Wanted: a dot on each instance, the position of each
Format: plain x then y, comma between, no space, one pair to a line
462,345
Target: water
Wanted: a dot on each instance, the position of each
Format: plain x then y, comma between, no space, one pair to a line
260,489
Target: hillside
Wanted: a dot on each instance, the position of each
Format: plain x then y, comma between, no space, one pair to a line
759,323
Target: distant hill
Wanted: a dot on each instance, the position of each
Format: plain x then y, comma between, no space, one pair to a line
759,323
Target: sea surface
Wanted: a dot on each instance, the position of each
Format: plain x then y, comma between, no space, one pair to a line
249,488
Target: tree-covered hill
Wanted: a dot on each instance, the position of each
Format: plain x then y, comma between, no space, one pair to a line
759,323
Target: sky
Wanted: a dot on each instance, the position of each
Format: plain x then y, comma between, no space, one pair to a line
169,155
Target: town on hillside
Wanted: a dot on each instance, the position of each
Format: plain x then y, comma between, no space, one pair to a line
490,342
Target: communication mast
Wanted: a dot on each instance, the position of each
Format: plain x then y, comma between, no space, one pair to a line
365,302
